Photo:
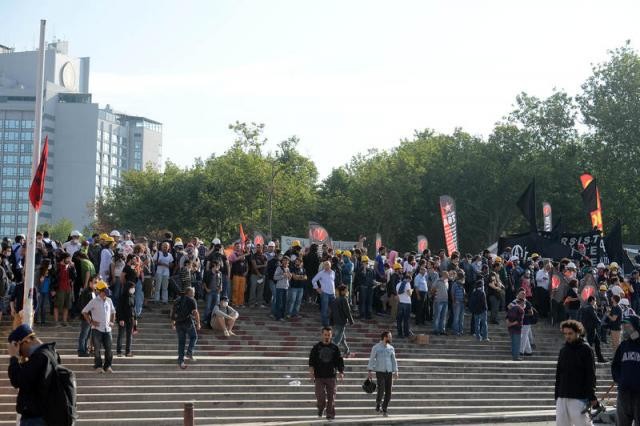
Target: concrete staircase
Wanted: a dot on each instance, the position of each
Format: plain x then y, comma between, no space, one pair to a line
260,376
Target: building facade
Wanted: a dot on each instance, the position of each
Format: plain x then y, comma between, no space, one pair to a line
89,147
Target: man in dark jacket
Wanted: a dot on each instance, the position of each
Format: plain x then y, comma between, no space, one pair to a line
625,370
324,361
28,376
340,316
591,323
126,318
575,377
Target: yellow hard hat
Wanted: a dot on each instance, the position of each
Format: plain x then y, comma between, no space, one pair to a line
101,285
498,259
295,243
346,253
397,266
365,259
338,252
614,265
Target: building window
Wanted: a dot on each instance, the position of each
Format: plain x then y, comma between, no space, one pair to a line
11,136
23,207
26,136
137,165
25,183
9,183
137,155
28,124
9,195
25,159
8,207
9,170
12,124
26,148
7,219
10,147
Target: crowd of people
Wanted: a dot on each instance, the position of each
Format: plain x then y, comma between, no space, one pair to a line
109,280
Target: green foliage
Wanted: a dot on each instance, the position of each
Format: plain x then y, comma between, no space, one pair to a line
58,231
396,192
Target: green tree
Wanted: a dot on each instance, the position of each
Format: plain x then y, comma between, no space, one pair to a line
58,231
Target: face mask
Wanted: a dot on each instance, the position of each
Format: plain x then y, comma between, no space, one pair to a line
223,304
626,335
132,291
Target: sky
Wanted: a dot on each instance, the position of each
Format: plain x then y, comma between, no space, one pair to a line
344,76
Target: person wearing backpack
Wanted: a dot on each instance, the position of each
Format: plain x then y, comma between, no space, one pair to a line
46,390
185,321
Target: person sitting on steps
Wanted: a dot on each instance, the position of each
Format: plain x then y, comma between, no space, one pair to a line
224,317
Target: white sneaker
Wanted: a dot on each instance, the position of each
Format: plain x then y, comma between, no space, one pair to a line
226,333
99,371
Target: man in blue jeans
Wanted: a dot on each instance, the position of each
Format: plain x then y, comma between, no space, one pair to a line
440,293
403,288
296,289
366,289
186,320
324,283
515,317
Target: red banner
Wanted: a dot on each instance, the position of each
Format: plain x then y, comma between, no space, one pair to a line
596,215
36,192
258,239
423,243
547,217
378,241
448,211
318,235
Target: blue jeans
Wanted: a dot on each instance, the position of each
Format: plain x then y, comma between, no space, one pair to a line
402,320
116,291
83,339
100,340
458,317
325,302
480,328
272,287
516,338
225,286
366,301
439,316
211,299
294,300
184,330
281,302
339,337
44,304
139,298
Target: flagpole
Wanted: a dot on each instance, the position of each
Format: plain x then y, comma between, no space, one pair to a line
32,224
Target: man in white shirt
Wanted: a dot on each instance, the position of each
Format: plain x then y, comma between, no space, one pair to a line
105,258
324,283
101,314
73,245
403,288
164,261
543,279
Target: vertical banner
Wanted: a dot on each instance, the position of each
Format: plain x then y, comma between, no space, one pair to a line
318,235
596,215
423,243
547,216
378,241
449,222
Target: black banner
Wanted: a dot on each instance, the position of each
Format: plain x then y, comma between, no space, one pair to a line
523,245
590,245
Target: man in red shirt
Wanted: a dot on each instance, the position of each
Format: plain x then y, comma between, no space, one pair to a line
62,289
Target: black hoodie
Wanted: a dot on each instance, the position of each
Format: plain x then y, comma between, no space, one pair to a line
576,372
625,367
28,377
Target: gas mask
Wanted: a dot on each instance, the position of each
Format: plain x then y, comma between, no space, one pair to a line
633,335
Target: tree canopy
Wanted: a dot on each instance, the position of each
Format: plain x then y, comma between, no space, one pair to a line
396,192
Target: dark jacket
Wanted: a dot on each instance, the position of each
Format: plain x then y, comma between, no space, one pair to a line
125,311
340,312
325,360
28,377
625,367
589,318
478,302
576,372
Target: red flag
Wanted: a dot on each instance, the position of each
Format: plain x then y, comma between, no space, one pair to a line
449,222
243,238
378,241
596,215
36,192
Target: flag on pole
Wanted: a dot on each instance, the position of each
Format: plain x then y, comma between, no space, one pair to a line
590,197
36,192
449,222
547,216
423,243
596,215
378,241
527,205
243,237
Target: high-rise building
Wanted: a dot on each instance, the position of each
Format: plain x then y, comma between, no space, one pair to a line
89,147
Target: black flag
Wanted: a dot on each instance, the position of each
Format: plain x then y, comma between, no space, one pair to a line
527,205
615,251
590,197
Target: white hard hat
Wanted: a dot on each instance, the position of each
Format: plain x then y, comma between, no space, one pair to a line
271,244
624,302
216,241
76,233
114,233
571,265
600,265
514,258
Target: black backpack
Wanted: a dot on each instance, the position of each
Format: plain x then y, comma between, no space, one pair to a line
59,396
